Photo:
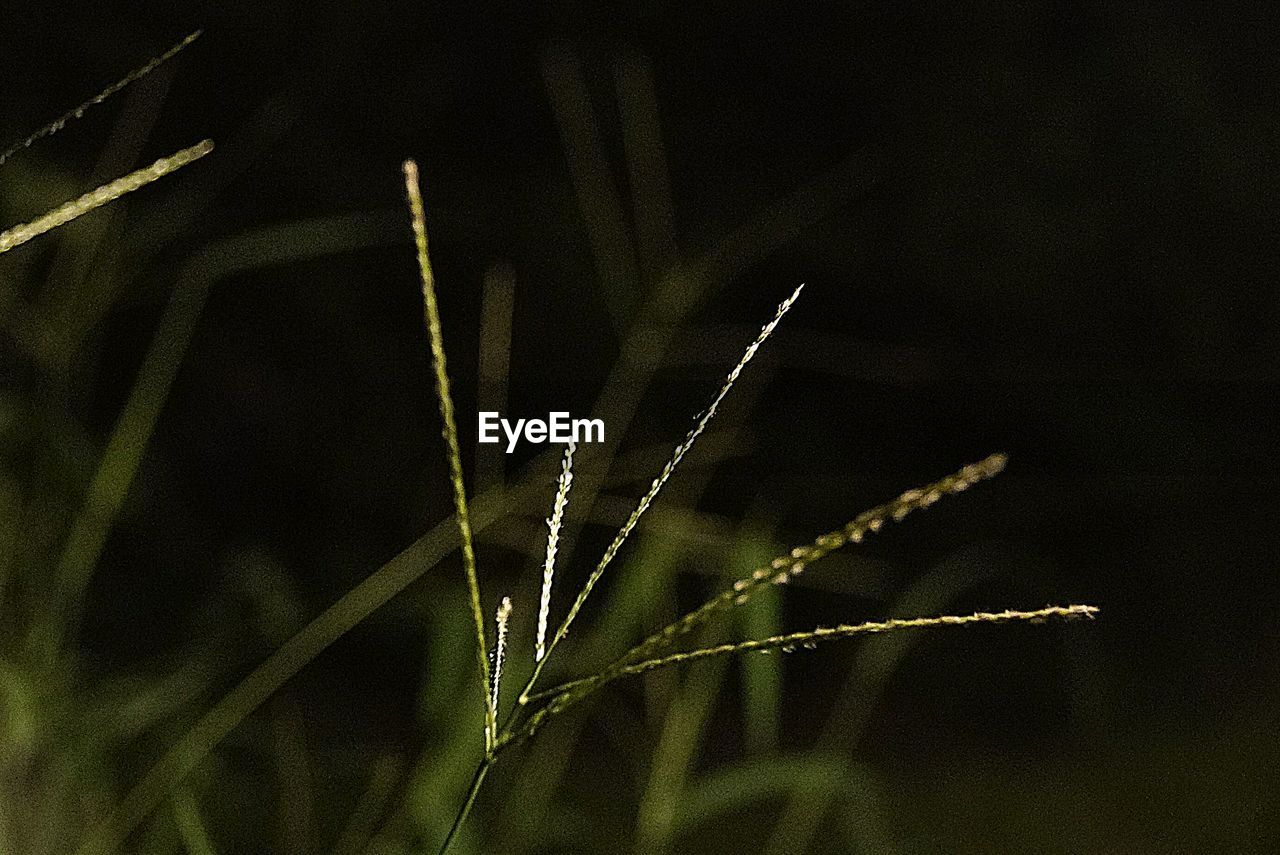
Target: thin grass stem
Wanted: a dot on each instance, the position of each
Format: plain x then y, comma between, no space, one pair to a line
647,174
18,235
472,791
71,115
450,432
786,567
644,503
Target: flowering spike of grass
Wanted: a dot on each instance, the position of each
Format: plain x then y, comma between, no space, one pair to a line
553,541
94,199
69,116
450,432
562,696
786,567
500,647
807,640
644,503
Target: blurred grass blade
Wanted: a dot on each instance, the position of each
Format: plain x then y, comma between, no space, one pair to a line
497,305
754,782
10,528
186,814
685,721
295,784
119,463
596,190
761,675
673,758
874,663
647,171
361,824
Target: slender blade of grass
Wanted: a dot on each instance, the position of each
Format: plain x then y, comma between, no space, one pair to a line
362,822
661,480
647,173
450,432
186,815
759,781
673,757
497,306
71,115
18,235
791,641
761,675
593,184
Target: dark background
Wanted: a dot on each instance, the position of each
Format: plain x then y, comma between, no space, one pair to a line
1045,229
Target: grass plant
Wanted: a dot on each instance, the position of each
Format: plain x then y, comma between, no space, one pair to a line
535,707
508,718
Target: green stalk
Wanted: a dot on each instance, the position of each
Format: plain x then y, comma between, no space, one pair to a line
450,431
472,791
